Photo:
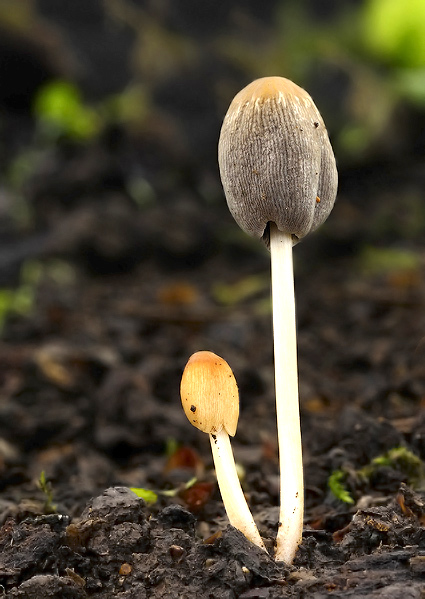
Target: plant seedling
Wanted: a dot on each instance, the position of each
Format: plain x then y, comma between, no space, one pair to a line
151,497
46,488
210,400
336,484
280,180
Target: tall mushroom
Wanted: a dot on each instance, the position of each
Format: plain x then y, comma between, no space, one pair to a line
210,400
280,180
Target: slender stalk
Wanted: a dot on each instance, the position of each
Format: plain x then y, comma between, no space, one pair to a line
231,492
287,404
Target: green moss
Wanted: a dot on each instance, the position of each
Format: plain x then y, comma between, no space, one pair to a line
402,460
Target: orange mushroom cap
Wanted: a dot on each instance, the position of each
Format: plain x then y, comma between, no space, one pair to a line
209,393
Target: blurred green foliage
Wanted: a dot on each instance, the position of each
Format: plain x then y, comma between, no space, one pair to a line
377,48
21,168
130,107
60,111
361,61
242,290
20,301
383,261
394,31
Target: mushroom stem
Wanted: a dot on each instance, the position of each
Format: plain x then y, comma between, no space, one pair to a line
231,492
287,405
210,400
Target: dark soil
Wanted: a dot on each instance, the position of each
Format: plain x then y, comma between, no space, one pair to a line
90,375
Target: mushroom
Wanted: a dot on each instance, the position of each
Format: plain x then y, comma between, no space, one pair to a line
280,180
210,400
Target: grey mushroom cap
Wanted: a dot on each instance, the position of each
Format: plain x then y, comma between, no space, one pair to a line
276,161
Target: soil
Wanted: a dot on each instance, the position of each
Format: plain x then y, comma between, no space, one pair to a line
117,294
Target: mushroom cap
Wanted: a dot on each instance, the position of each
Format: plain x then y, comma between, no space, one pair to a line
209,393
276,161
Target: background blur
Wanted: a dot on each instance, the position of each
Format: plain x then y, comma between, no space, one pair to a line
127,96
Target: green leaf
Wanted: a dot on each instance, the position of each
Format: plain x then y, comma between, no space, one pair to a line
337,487
150,497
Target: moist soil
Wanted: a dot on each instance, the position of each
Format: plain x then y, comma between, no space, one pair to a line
90,396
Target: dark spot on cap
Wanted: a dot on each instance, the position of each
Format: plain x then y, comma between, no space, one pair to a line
316,124
193,408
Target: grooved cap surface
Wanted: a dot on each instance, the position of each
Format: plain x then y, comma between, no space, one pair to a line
209,393
276,161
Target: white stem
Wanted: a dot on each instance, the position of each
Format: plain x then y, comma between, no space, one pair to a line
230,488
287,404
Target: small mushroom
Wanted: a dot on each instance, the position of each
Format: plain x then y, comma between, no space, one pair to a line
210,400
280,180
